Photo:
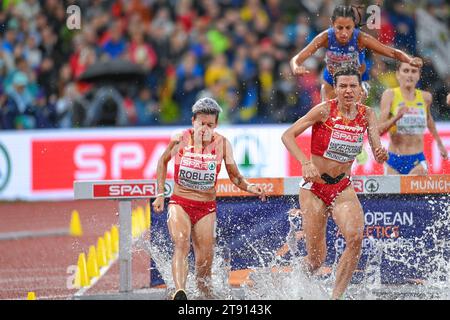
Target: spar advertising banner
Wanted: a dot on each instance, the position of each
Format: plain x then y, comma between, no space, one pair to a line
42,165
405,237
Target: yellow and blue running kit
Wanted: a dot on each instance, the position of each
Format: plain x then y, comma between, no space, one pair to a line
413,122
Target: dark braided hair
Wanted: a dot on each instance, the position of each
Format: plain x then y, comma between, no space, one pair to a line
347,12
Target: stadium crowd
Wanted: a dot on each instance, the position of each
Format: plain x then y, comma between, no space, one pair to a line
236,51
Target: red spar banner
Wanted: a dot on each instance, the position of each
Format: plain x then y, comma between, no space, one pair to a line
117,191
57,163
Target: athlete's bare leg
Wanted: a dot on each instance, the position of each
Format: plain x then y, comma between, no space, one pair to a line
203,240
314,224
180,231
418,170
349,217
390,170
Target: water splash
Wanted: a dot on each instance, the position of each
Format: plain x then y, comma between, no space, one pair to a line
429,257
160,251
285,280
275,278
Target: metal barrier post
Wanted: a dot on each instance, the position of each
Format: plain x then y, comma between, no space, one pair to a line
125,243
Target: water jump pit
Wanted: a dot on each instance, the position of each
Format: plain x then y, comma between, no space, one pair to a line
405,254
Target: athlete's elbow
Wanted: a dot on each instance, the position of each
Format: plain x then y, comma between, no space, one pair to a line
293,63
285,137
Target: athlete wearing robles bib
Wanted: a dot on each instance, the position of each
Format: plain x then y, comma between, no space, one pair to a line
338,127
405,113
198,153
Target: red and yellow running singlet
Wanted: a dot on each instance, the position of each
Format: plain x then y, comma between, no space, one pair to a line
338,138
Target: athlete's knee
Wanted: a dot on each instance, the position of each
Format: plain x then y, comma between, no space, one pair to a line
204,258
420,170
181,243
354,240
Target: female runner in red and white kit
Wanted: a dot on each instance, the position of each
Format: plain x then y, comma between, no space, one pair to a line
338,128
198,152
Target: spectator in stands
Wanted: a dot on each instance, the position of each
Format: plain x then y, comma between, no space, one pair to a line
147,108
115,46
10,37
21,103
189,83
8,111
32,54
287,96
404,26
140,51
266,89
71,108
158,34
45,112
247,88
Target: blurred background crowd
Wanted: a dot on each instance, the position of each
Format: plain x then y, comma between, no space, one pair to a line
236,51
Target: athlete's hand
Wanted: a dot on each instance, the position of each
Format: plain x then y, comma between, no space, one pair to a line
310,172
299,70
416,62
158,204
381,155
443,151
255,189
401,112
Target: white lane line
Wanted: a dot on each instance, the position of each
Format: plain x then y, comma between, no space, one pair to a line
33,234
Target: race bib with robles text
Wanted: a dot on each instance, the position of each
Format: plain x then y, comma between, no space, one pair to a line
197,171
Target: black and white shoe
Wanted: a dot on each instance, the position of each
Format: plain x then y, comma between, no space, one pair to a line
180,295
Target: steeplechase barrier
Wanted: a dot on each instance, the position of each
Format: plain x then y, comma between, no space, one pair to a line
396,208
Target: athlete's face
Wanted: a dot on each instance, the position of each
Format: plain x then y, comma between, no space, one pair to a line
343,28
204,125
408,75
348,89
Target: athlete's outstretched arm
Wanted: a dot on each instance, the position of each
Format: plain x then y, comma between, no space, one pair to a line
320,41
161,171
432,126
387,122
317,114
367,41
378,151
236,177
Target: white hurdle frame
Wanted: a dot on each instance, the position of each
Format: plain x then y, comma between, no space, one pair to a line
124,191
